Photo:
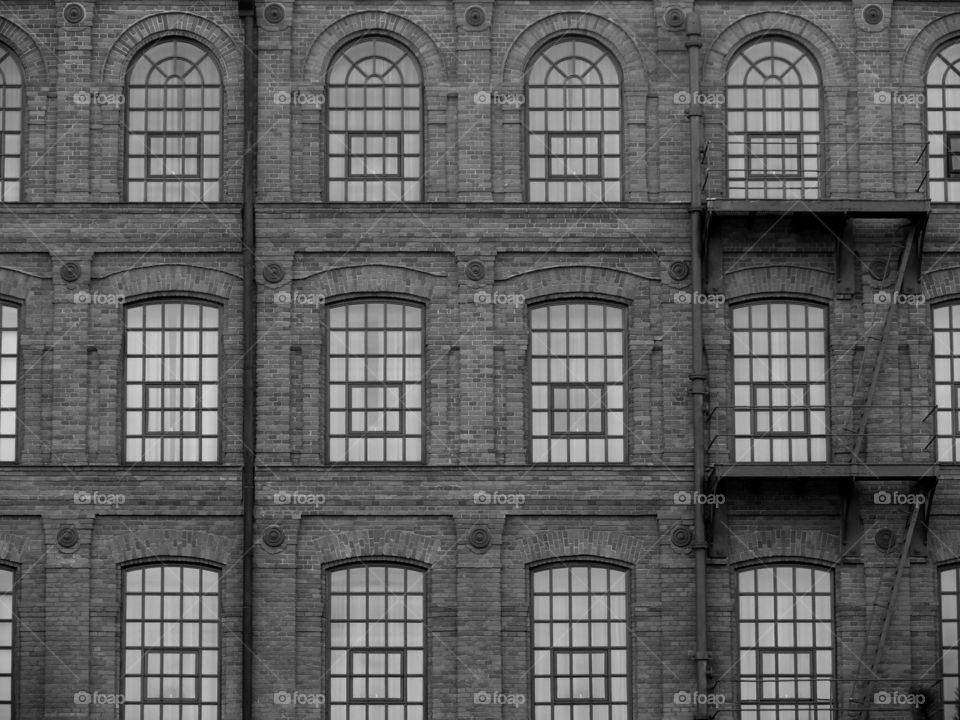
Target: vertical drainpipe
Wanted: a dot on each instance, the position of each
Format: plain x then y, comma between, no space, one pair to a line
248,16
698,376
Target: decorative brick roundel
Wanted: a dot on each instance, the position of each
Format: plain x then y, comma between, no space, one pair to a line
475,16
70,271
74,13
273,273
873,14
475,270
273,13
274,537
674,18
885,539
68,537
681,537
479,538
679,270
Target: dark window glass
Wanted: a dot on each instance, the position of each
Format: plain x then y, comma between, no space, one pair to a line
580,665
375,121
173,376
780,385
577,392
9,353
376,370
171,643
11,125
174,101
377,665
773,122
786,643
573,124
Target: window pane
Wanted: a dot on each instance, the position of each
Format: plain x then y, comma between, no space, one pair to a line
9,410
171,347
175,93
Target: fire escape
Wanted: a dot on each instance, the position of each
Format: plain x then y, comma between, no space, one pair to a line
884,187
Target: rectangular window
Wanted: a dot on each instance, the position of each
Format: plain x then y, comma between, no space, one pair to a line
173,376
786,643
376,369
949,621
9,352
580,665
577,388
6,644
377,629
171,641
953,155
780,388
946,378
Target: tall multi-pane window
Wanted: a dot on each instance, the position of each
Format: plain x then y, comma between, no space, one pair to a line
11,125
786,643
580,665
943,124
172,380
576,390
773,122
9,351
573,124
174,124
374,105
949,622
946,378
6,644
780,382
376,382
171,643
377,664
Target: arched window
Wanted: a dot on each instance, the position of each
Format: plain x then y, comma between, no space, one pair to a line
11,125
576,382
173,382
573,124
580,629
943,124
174,124
171,642
377,642
773,122
780,382
785,618
375,141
